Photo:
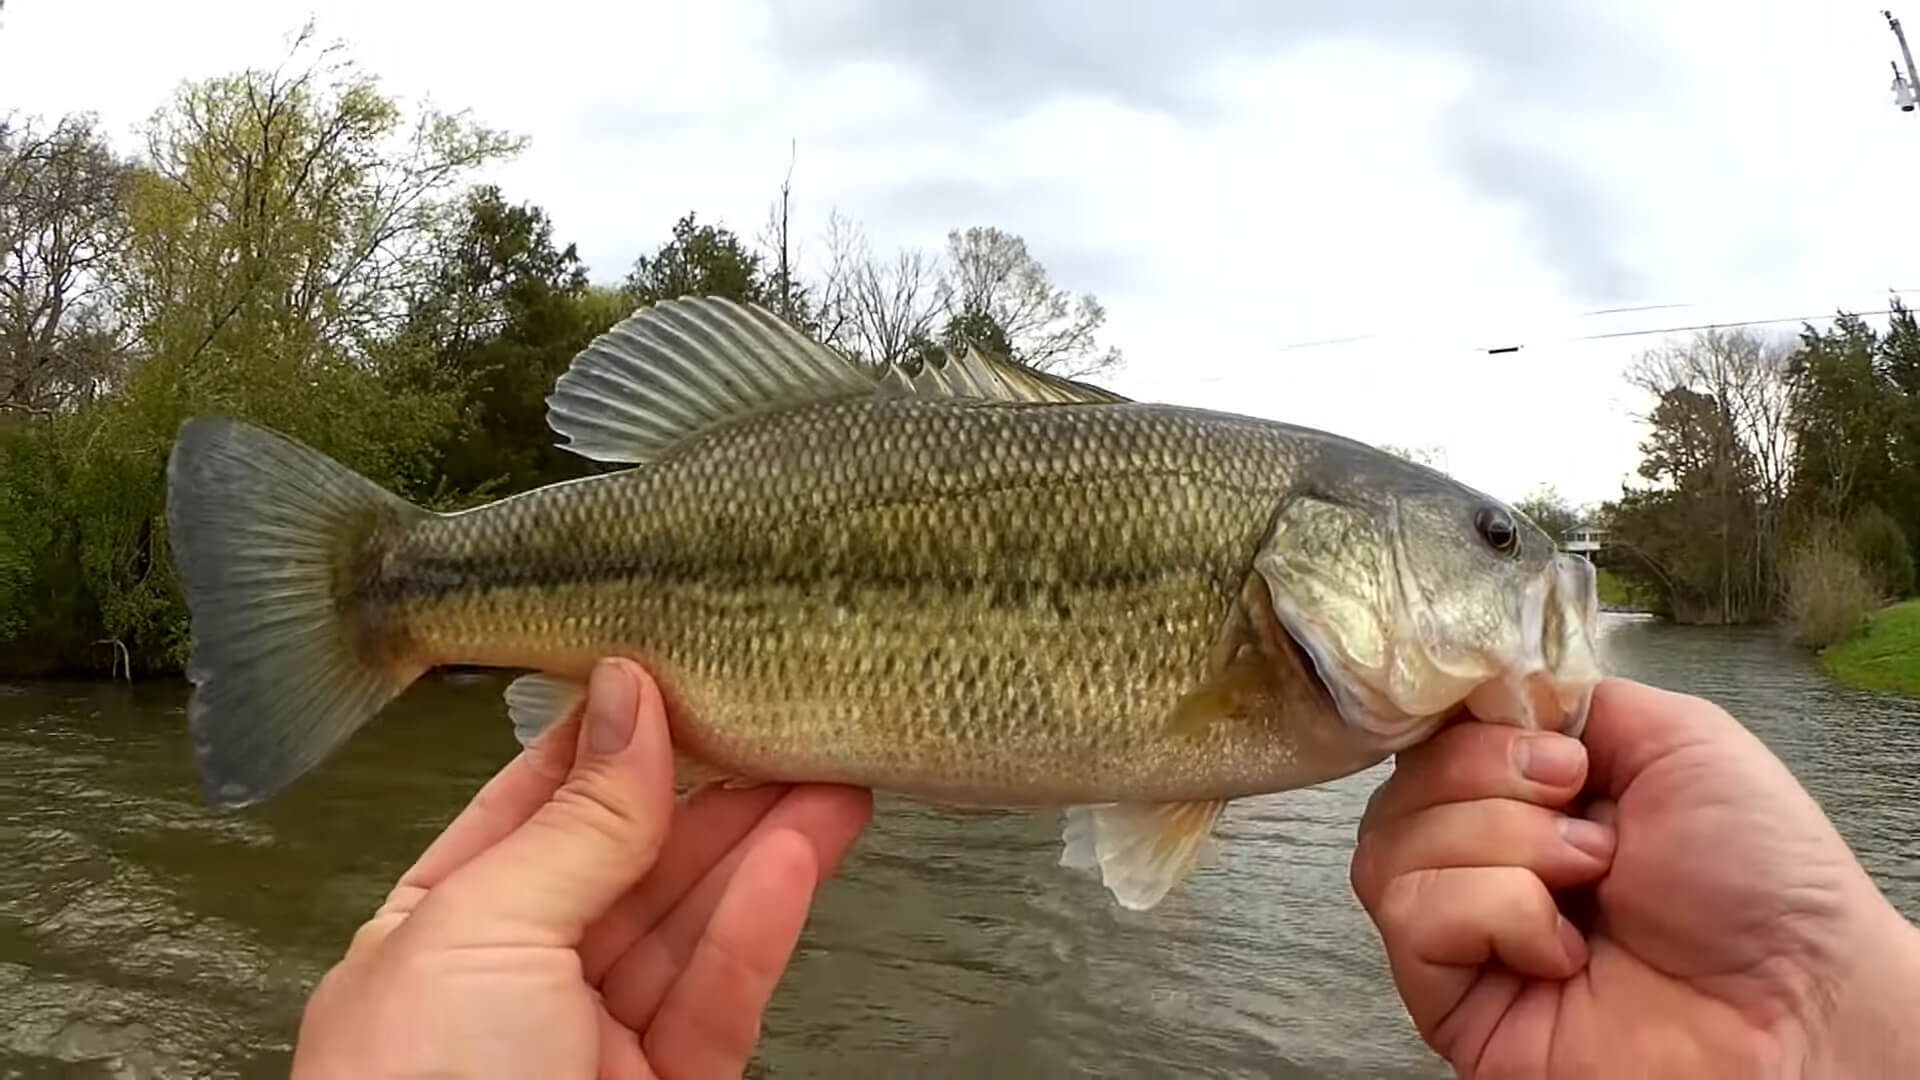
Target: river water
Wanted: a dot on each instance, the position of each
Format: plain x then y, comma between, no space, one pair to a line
142,935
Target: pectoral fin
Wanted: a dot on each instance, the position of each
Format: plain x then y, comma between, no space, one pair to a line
1141,849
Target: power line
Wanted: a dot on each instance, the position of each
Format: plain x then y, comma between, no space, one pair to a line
1614,334
1725,325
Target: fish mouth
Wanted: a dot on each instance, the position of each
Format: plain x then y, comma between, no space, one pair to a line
1550,685
1547,685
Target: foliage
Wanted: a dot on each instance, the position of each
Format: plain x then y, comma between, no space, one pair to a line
296,248
271,233
1704,531
1549,509
1881,546
707,260
501,320
1828,592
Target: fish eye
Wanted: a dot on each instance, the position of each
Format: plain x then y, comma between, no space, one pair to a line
1496,527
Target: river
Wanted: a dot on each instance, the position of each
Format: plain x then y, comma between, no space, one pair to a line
143,935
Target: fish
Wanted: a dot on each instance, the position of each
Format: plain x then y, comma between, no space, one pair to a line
958,579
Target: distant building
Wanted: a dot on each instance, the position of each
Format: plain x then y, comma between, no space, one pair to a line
1586,538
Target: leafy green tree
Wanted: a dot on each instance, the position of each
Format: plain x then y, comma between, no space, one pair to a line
706,260
275,228
506,314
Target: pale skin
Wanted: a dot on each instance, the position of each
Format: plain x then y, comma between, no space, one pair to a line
1732,931
575,921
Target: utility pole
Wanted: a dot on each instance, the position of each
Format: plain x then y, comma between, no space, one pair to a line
1904,88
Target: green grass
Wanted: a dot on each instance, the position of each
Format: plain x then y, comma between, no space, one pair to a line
1885,657
1613,591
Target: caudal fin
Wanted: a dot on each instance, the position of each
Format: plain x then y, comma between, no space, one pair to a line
267,537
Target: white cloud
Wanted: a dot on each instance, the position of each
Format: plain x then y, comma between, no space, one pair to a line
1432,184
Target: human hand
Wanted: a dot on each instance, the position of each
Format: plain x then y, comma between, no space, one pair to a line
1732,932
573,921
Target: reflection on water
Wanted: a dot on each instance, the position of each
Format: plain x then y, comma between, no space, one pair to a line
143,935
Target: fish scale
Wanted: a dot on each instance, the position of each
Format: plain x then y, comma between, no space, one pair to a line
965,581
978,607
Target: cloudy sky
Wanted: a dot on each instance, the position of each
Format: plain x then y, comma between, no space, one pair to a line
1314,212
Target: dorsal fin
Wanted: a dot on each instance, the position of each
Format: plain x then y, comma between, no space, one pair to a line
677,367
977,375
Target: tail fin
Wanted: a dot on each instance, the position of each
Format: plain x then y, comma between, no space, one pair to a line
266,534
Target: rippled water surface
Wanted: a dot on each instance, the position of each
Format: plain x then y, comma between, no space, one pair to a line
144,935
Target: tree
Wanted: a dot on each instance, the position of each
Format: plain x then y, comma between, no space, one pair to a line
1547,508
1718,454
505,316
1856,420
880,312
277,228
997,297
700,260
62,221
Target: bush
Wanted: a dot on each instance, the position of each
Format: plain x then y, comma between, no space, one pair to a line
1883,550
1829,590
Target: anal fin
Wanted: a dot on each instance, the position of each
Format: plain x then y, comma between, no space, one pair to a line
1142,850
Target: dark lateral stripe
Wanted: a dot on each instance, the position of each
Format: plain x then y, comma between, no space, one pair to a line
432,578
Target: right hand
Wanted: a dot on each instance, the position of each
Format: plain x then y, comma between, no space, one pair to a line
1732,934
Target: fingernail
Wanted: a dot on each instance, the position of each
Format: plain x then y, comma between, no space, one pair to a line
1573,942
612,700
1589,836
1549,759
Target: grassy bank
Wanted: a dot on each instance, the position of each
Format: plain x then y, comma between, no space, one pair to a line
1885,657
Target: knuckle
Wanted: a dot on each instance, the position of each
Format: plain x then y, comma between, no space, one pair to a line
1521,896
1363,873
589,805
1401,901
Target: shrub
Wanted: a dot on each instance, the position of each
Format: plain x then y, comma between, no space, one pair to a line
1829,590
1883,550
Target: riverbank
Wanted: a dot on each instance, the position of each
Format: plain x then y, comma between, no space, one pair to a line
1885,657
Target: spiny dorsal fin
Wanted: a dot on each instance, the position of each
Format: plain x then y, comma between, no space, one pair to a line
680,366
977,375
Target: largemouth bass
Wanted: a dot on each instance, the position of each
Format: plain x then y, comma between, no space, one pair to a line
963,581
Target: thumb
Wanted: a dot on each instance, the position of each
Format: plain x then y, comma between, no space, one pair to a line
1632,725
585,846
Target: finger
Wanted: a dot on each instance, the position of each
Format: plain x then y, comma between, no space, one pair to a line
1474,760
710,825
587,844
1562,851
1632,725
710,1020
501,806
829,818
621,1057
1441,926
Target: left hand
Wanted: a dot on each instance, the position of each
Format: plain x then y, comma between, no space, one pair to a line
574,921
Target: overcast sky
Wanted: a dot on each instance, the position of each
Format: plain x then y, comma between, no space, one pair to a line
1313,212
